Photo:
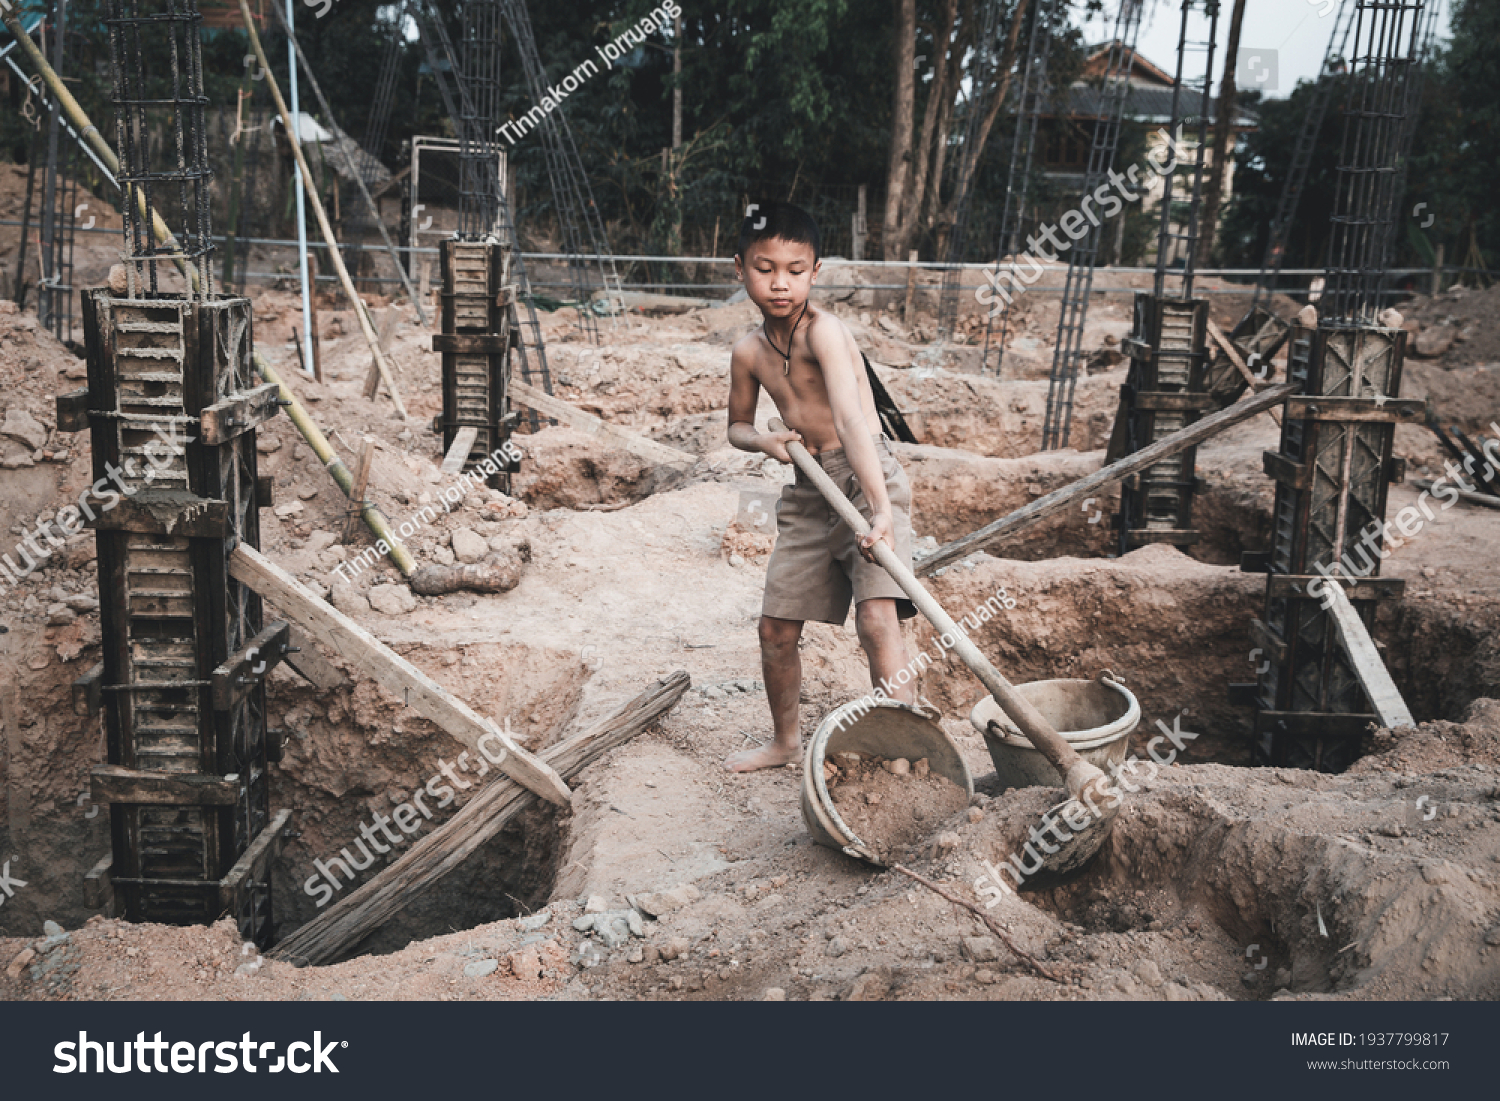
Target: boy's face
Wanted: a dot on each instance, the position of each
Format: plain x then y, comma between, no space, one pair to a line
778,275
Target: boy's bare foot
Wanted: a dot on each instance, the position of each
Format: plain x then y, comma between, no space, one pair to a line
767,756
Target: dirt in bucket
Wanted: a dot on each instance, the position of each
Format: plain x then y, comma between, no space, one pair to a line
890,803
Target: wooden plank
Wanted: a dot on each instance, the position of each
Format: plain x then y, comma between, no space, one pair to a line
1178,537
1173,401
1285,586
1068,496
1233,354
364,651
86,694
1389,411
98,891
166,513
1283,470
73,410
317,670
1315,724
574,417
345,923
254,864
471,343
117,784
1483,499
1374,677
239,413
357,501
458,454
253,663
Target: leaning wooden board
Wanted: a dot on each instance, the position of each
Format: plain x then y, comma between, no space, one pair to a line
364,651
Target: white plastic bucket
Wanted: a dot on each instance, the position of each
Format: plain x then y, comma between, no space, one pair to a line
883,728
1095,717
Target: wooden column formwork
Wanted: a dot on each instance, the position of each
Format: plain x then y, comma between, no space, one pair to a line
1332,472
479,333
171,404
1164,392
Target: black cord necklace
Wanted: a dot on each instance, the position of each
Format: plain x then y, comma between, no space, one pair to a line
786,356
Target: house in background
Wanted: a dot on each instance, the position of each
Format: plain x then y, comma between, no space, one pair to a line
1065,137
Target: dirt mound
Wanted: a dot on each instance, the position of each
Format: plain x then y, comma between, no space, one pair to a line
1457,328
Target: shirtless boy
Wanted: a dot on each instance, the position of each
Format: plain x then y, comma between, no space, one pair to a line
808,363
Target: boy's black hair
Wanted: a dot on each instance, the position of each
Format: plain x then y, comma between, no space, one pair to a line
777,220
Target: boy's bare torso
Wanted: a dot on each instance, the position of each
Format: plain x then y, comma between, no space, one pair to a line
801,393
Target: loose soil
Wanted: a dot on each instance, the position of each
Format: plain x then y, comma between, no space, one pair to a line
891,805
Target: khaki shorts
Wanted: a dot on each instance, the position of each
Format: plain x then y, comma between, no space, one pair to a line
816,568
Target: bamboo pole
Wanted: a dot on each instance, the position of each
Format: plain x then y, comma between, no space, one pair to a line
374,519
353,168
310,186
340,473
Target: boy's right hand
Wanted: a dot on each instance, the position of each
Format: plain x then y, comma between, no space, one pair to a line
774,444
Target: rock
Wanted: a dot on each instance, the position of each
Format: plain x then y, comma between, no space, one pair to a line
19,964
1147,972
982,949
391,599
468,545
773,994
291,508
82,602
837,947
612,930
15,456
585,923
532,922
1284,977
636,955
658,903
60,615
1390,318
898,767
1435,341
921,768
986,977
22,427
525,963
596,904
975,815
1307,317
52,929
480,968
947,842
267,444
869,987
676,948
1178,993
588,955
320,541
347,599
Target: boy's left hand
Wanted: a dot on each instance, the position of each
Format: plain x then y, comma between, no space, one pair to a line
882,527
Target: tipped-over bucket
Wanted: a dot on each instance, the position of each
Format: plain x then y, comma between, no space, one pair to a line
1095,717
882,728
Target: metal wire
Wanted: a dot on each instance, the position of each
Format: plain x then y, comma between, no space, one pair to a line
1388,37
1084,254
148,114
1182,118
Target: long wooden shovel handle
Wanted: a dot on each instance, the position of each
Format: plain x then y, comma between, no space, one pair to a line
1030,721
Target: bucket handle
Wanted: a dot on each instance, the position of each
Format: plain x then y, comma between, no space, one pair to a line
1108,676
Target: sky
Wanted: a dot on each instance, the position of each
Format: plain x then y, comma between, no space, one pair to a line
1293,32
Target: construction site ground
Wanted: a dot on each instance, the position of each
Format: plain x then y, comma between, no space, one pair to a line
1220,881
